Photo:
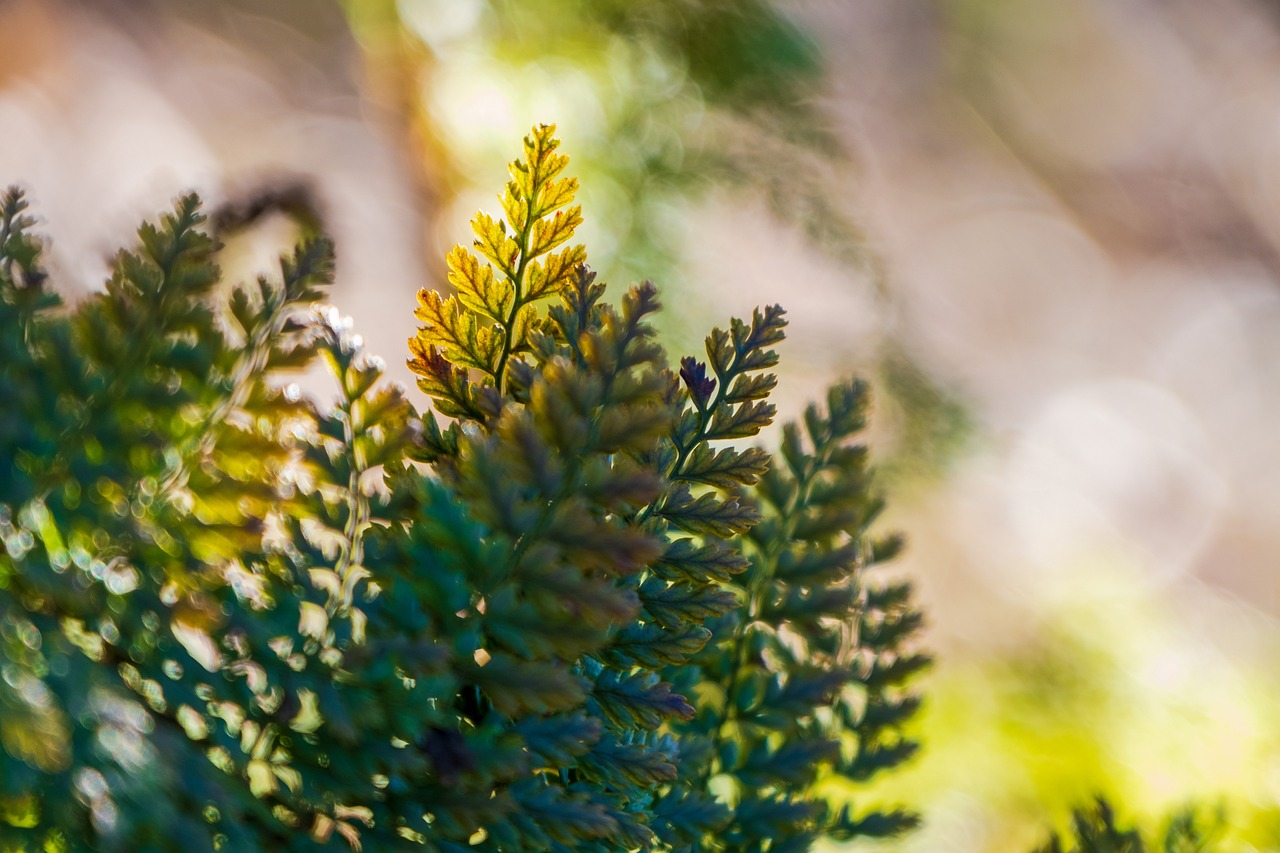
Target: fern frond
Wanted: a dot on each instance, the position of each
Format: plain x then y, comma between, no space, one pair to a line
490,318
798,643
553,635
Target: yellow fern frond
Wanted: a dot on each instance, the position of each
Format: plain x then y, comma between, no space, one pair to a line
477,288
458,332
510,265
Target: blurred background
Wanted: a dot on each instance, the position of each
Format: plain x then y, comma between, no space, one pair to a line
1048,232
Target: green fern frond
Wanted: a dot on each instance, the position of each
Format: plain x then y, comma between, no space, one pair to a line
585,621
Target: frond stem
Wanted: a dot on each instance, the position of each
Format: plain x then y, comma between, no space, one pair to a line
517,282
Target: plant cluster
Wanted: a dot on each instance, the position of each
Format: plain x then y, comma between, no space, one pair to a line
558,611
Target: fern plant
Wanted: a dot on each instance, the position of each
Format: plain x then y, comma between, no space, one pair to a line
555,611
1095,830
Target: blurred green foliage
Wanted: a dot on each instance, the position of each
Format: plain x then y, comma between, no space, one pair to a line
1095,830
663,100
666,103
929,425
231,619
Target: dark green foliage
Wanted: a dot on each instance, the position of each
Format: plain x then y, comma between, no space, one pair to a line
1095,831
810,665
569,619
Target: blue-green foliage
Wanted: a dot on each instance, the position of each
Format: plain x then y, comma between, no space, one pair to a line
571,617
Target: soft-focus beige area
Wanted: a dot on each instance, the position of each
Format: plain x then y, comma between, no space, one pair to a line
1077,209
111,108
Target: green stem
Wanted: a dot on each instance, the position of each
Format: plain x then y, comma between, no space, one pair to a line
253,359
357,507
517,282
